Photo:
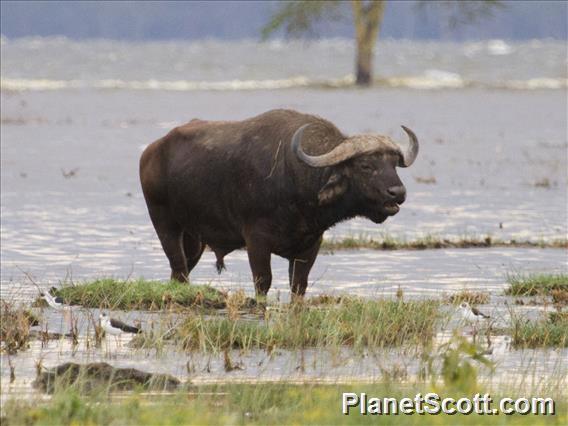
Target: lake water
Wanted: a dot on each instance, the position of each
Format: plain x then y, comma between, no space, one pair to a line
489,152
539,371
490,116
55,63
495,154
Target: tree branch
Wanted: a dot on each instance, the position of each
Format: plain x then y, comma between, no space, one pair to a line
298,18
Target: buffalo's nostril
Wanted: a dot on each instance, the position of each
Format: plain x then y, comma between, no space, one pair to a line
397,192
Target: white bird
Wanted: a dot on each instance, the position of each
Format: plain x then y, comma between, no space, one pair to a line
55,302
500,347
470,314
116,327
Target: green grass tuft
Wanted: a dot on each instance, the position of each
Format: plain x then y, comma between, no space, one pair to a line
255,404
141,294
353,322
388,242
536,284
542,333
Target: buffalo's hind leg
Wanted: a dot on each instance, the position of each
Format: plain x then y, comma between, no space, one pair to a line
193,249
299,269
171,236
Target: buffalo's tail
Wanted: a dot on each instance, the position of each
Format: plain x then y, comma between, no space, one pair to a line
220,265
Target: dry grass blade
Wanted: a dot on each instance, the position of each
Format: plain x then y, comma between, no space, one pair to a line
471,297
15,326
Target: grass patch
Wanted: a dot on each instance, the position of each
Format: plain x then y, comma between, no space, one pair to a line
542,333
537,284
433,242
352,322
471,297
559,297
140,294
255,404
558,317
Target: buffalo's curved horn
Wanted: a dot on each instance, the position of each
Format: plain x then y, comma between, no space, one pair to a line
411,152
349,148
353,147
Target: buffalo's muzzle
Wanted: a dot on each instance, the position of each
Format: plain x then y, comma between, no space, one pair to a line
391,208
397,194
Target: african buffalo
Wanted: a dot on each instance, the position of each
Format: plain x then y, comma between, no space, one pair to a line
231,184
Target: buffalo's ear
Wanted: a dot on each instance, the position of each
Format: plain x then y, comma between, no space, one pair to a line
334,188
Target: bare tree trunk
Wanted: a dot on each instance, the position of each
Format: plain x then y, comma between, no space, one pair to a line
368,17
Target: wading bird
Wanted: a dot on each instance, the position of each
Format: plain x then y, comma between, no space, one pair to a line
116,327
55,302
470,314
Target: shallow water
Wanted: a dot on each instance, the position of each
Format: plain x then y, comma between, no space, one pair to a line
497,159
368,273
96,223
534,370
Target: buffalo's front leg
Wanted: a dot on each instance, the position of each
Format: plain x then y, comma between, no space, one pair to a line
299,269
171,237
259,259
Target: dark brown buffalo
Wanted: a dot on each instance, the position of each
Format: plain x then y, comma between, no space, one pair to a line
231,184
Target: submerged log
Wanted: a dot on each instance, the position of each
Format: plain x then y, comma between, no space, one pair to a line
102,376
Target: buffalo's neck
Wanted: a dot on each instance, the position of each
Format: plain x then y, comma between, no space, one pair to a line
321,218
328,216
307,182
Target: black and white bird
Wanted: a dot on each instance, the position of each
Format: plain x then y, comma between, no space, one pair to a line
471,314
55,302
116,327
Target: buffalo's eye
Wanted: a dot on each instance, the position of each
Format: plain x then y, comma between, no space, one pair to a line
366,168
